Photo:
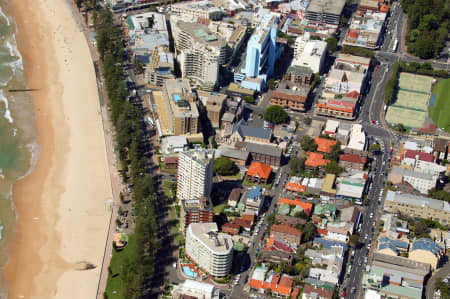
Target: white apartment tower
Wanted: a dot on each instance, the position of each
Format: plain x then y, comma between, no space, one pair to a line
195,173
210,250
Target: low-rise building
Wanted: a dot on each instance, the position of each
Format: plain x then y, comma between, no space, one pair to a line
312,56
366,29
173,144
277,251
422,162
325,275
299,74
234,197
241,158
289,220
417,206
357,143
324,145
171,162
265,153
243,132
294,98
329,187
281,285
426,251
196,289
254,201
351,188
352,161
286,233
395,276
259,173
231,228
314,160
210,250
312,292
419,180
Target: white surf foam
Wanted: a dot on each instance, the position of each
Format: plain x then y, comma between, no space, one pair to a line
2,14
7,113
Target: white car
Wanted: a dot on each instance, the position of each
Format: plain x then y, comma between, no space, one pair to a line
371,215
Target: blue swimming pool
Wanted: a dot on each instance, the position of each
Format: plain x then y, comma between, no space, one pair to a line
188,272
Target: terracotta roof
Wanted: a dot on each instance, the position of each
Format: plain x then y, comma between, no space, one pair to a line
422,156
353,158
384,8
307,207
350,110
248,217
169,160
289,96
243,222
295,293
286,229
295,187
315,160
324,145
260,170
353,33
322,293
322,232
285,285
428,129
352,94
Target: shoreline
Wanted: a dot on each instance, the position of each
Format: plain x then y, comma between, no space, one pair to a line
61,206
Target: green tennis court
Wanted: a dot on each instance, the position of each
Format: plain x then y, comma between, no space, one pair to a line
409,118
414,82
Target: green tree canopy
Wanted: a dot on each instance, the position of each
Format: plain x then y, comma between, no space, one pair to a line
224,166
333,168
275,114
297,165
249,99
308,144
271,84
331,44
309,231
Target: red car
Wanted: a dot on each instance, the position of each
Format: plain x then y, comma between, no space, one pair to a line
373,122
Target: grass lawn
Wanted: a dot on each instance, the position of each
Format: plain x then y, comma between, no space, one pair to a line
118,259
248,183
220,207
440,111
168,188
237,176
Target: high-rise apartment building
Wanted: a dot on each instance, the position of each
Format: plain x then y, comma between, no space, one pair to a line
261,54
210,250
195,173
201,52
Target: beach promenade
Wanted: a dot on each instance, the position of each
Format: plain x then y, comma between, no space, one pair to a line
66,205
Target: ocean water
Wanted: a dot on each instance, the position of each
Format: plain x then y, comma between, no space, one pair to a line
18,147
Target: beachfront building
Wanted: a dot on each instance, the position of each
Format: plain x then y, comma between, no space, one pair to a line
210,250
195,172
201,52
417,206
176,109
195,211
261,54
160,67
196,289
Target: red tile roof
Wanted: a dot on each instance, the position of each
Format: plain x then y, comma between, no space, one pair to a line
315,160
307,207
275,244
353,33
322,232
285,286
322,293
286,229
169,160
324,145
260,170
231,228
243,222
422,156
248,217
352,94
353,158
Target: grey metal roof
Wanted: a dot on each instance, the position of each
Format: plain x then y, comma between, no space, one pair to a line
400,264
234,153
428,245
248,131
411,173
263,149
299,70
395,243
387,245
416,200
228,117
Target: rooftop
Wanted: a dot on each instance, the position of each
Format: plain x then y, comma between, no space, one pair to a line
328,183
259,169
263,149
208,235
286,229
426,157
300,70
234,153
411,265
411,173
307,207
326,6
316,160
202,34
248,131
427,245
324,145
353,158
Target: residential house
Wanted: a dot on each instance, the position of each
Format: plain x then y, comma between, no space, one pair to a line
324,145
352,161
259,173
286,233
231,228
277,251
312,292
315,160
289,220
255,201
233,198
281,285
328,188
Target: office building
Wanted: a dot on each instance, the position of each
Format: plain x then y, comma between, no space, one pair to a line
417,206
325,11
196,211
195,173
210,250
201,52
313,55
299,75
261,54
426,251
215,105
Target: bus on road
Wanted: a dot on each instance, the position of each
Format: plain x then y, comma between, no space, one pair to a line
394,48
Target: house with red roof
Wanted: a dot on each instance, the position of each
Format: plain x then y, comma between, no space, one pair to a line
312,292
279,284
324,145
259,173
231,228
315,160
352,161
286,233
277,251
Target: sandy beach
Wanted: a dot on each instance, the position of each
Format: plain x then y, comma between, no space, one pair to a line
62,208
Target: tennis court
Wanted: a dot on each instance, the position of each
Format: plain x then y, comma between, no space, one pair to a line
409,118
412,82
411,100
